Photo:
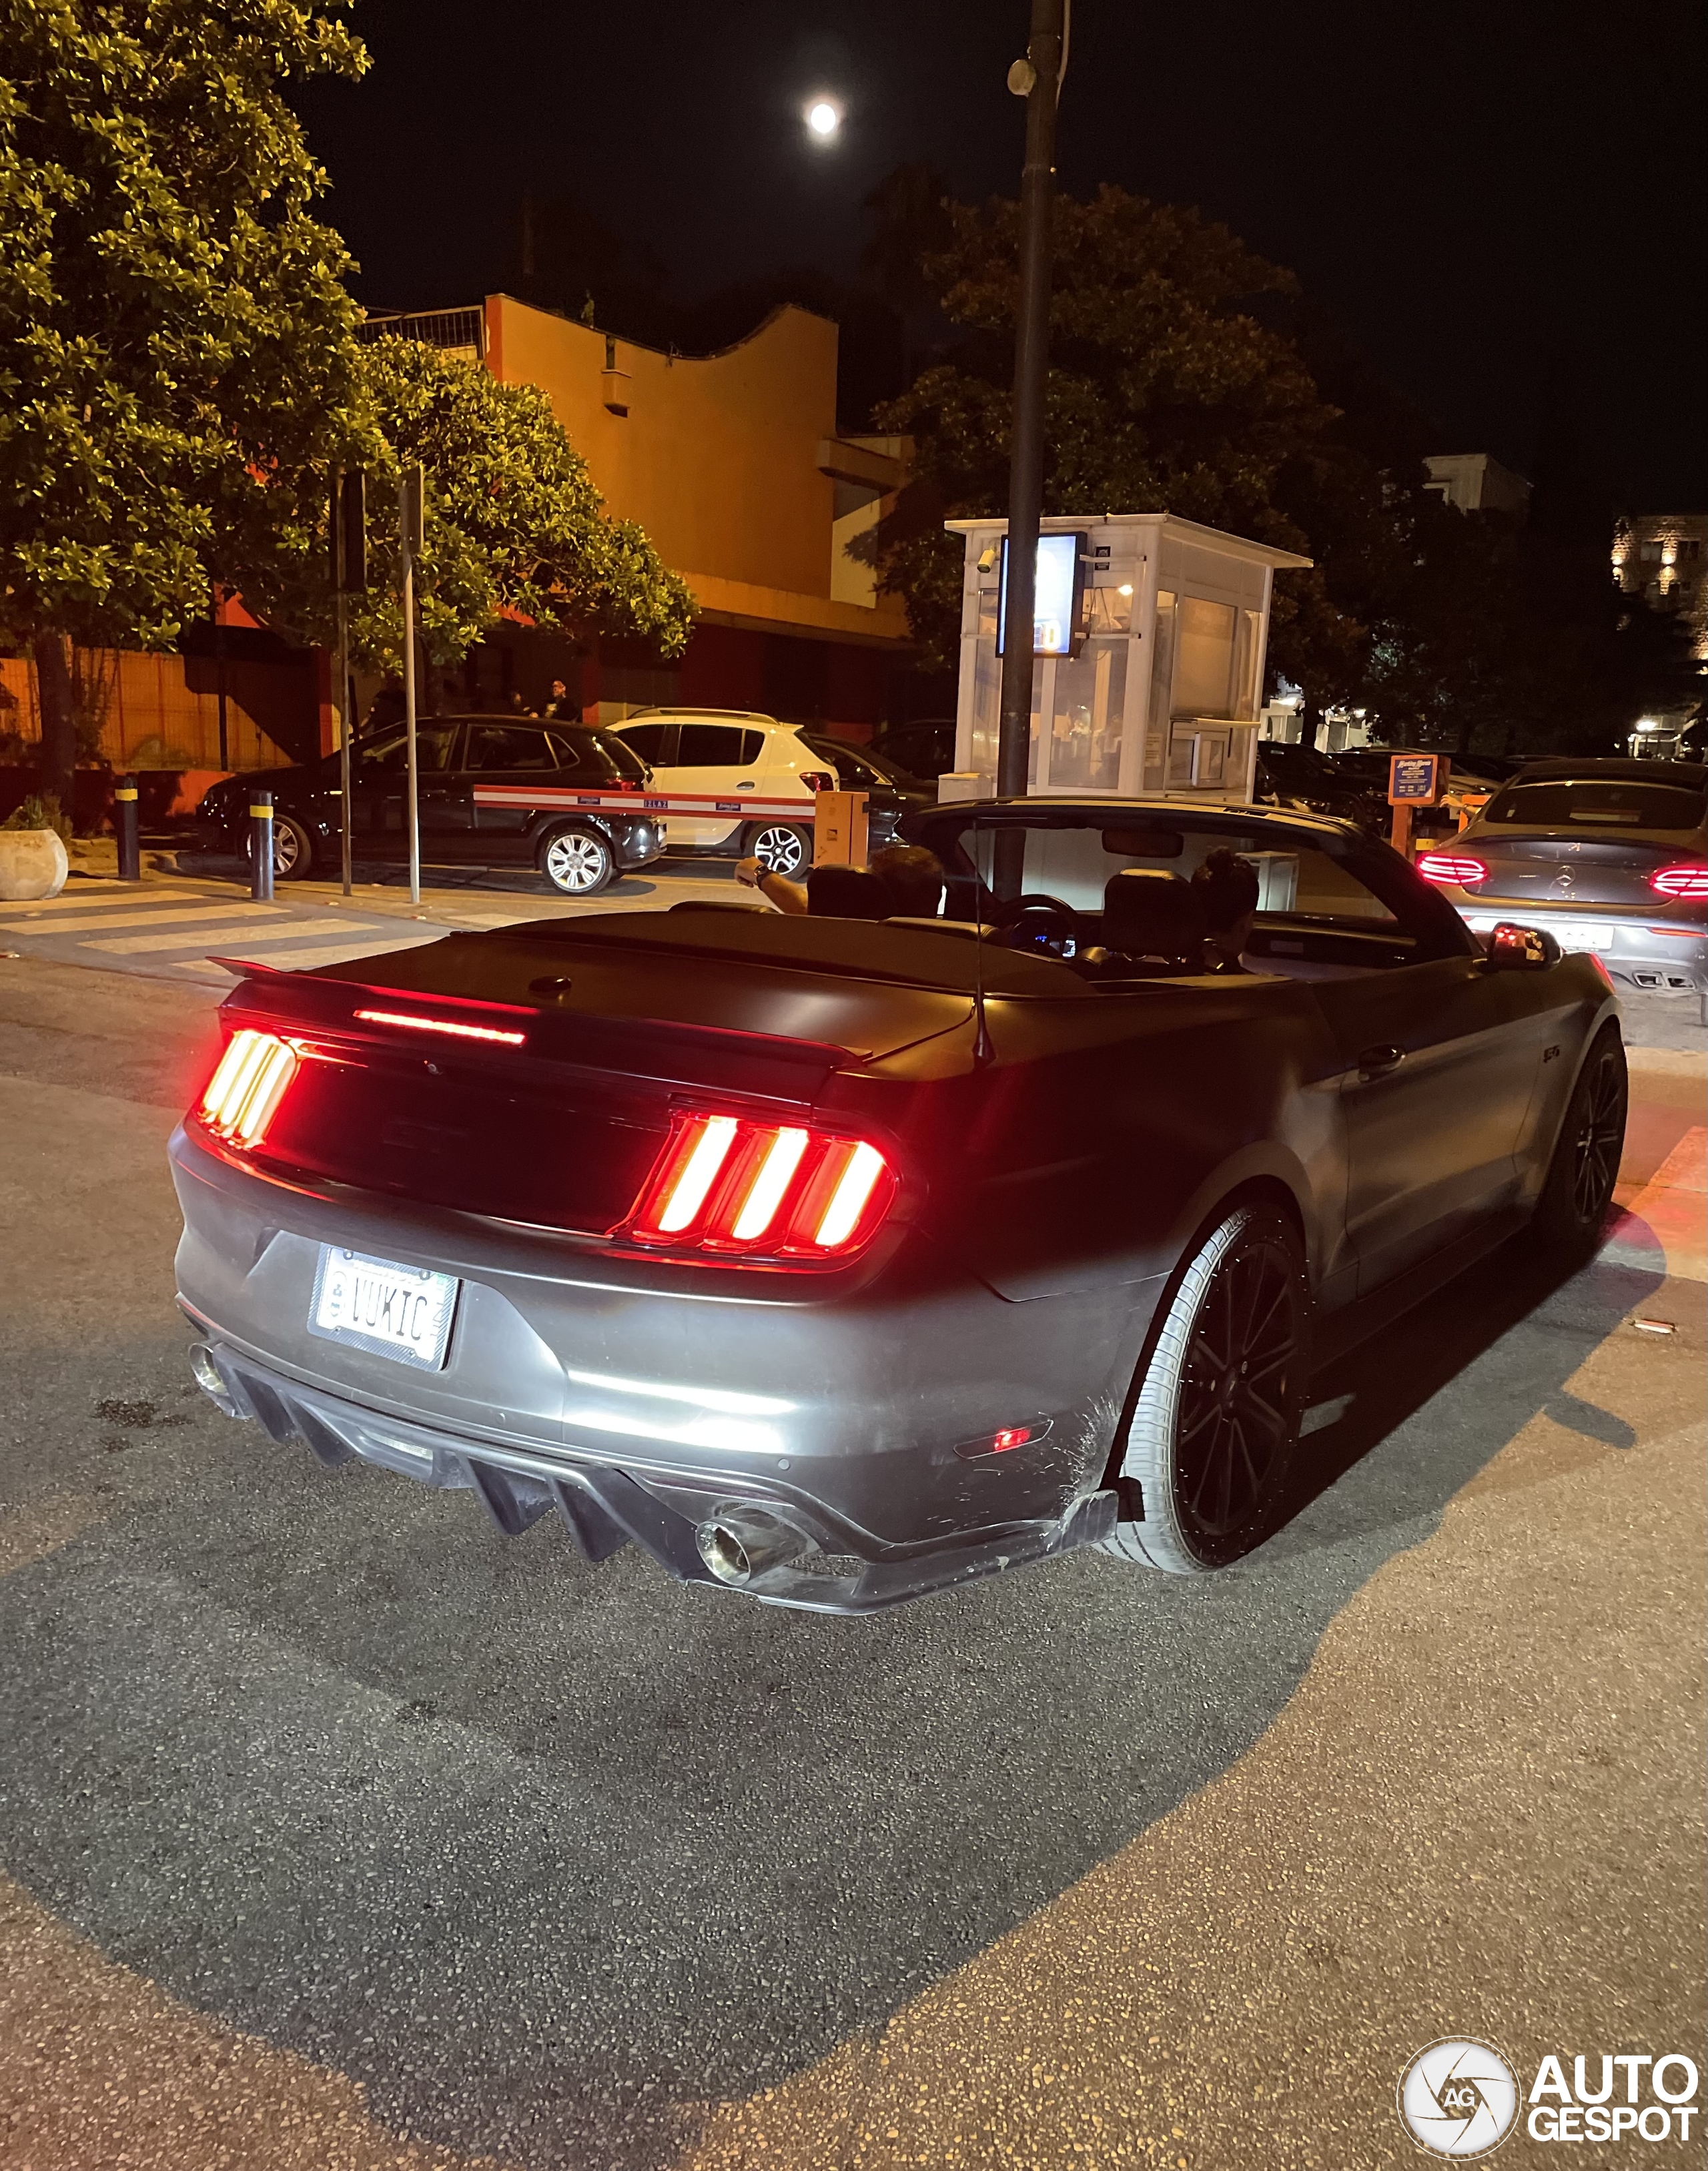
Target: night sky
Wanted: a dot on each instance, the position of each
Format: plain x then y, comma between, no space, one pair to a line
1502,205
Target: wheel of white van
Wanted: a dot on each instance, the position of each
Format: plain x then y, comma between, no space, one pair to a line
1216,1419
1578,1189
579,862
780,848
293,849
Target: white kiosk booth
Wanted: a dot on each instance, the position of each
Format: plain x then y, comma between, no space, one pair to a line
1149,639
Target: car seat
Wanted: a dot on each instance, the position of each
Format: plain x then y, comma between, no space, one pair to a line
1153,922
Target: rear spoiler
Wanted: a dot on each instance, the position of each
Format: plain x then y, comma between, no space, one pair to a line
639,1046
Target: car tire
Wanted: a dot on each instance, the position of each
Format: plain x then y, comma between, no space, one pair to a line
1209,1453
781,848
293,849
577,861
1578,1187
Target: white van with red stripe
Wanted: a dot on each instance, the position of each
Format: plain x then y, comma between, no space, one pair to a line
732,780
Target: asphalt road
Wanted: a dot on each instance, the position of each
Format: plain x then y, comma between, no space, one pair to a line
339,1832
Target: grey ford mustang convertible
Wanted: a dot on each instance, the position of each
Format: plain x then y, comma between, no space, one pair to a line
839,1261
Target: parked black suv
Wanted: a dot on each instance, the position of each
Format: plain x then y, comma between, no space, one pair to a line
563,797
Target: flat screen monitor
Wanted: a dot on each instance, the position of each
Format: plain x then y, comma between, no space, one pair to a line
1059,600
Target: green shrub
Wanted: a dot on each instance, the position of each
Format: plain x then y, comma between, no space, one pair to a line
39,812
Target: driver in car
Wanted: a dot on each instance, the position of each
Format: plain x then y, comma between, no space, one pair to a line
1229,890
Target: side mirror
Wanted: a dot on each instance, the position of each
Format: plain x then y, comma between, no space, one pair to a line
1512,948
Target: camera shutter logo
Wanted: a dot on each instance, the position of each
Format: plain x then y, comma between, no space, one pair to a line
1459,2098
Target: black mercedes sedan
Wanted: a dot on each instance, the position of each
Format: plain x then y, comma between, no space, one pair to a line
834,1261
566,798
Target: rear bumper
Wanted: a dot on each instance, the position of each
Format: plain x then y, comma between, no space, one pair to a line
849,1408
604,1509
1628,944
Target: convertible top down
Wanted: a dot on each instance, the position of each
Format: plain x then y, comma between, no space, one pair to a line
838,1262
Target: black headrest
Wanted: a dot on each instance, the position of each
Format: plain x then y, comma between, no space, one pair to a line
1149,912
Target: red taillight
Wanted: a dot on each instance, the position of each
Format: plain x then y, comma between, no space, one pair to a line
1687,881
727,1185
1458,868
818,780
244,1093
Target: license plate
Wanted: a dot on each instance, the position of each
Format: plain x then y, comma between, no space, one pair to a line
390,1309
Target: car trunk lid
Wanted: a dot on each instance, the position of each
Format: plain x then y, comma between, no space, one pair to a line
530,1076
1567,871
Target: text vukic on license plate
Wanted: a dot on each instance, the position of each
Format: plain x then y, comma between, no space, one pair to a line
376,1305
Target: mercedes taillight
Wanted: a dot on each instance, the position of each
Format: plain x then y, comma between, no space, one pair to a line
1690,880
726,1186
1458,869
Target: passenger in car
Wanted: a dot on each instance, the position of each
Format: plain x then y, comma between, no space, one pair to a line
901,882
1228,888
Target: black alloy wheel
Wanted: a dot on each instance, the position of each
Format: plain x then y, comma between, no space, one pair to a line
1235,1424
1211,1439
1585,1167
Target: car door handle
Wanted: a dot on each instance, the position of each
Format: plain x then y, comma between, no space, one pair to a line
1375,1061
745,787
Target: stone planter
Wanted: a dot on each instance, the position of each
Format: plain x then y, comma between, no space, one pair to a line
33,864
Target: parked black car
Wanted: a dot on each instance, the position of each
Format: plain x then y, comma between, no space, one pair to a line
1300,777
892,792
836,1261
924,750
564,797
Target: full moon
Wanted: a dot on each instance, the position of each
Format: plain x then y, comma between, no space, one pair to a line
823,119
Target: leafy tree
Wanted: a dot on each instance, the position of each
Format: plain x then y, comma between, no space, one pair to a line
1166,389
177,359
1185,375
513,526
180,372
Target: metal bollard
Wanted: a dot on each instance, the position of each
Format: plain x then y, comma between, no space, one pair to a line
261,846
125,812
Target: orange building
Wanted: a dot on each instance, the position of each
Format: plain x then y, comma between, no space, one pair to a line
733,465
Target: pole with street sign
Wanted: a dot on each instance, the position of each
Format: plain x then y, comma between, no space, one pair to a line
1038,78
410,500
347,539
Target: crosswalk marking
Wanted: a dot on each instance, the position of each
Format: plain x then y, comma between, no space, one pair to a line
180,916
185,938
71,909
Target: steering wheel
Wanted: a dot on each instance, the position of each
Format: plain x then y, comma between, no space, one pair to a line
1011,914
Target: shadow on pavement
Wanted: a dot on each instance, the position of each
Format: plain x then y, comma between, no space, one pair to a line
540,1853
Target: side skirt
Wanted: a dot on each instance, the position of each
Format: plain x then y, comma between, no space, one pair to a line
1338,1332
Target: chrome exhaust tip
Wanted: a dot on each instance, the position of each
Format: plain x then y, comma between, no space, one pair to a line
205,1369
740,1546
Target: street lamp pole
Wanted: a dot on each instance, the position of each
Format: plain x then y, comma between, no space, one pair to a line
1038,79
